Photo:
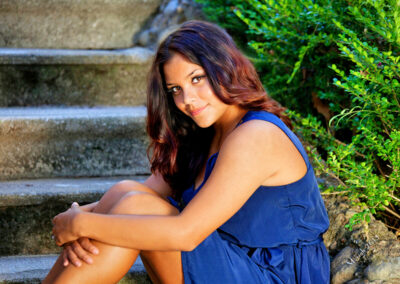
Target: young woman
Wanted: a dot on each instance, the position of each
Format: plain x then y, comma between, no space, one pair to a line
232,197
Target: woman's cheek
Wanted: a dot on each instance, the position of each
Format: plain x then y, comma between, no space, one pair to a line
179,103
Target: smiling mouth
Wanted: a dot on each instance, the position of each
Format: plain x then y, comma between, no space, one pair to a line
197,111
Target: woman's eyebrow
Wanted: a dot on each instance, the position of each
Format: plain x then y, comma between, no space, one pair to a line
191,73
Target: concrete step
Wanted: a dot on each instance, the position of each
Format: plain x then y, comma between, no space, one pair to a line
33,269
74,141
33,77
27,207
90,24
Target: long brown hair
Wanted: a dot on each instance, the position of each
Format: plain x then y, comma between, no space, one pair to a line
179,147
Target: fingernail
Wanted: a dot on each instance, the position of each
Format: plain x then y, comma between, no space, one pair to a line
65,263
95,251
89,260
78,264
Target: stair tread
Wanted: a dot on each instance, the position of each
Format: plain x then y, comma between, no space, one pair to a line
134,55
14,268
28,192
74,112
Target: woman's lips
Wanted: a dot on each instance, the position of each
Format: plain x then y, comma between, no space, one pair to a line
197,111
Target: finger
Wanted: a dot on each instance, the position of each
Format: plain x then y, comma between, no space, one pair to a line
73,258
88,245
65,257
58,241
74,204
54,238
81,253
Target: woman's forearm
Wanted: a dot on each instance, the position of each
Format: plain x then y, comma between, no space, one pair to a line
136,231
89,207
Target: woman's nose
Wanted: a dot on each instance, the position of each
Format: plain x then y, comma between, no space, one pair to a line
189,96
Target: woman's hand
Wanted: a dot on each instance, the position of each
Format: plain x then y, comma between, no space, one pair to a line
77,251
64,225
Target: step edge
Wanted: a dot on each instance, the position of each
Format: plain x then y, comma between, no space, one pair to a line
32,56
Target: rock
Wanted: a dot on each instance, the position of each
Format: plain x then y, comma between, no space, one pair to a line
171,7
357,281
384,270
370,252
171,13
165,33
343,266
144,38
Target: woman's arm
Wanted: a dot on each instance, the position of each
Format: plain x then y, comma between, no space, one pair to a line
89,207
248,157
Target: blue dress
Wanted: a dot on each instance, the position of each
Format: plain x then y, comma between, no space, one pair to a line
275,237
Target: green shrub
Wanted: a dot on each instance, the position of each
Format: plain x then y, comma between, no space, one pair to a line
344,54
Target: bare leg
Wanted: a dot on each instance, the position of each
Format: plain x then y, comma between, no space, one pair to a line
113,262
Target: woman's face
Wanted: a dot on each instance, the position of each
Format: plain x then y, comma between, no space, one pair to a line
187,83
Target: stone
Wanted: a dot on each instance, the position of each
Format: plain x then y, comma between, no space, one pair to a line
144,38
384,270
343,266
171,13
337,236
79,77
33,269
363,255
73,24
165,33
171,7
75,141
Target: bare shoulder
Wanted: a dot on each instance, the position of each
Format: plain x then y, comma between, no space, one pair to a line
254,144
257,135
265,148
272,150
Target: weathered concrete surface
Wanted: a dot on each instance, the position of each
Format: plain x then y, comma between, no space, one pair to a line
28,206
73,77
92,24
38,191
32,56
33,269
61,142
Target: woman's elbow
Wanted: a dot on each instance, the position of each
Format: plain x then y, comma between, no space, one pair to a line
189,246
188,241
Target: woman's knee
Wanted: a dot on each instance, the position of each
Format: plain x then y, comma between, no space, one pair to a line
124,186
143,203
114,195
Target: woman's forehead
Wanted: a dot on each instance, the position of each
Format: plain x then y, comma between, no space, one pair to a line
179,66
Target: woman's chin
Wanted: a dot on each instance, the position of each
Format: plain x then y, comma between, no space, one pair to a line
202,123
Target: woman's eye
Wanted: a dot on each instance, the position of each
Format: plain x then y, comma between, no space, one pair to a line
174,90
197,79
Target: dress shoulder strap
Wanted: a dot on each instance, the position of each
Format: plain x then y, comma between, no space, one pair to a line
272,118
